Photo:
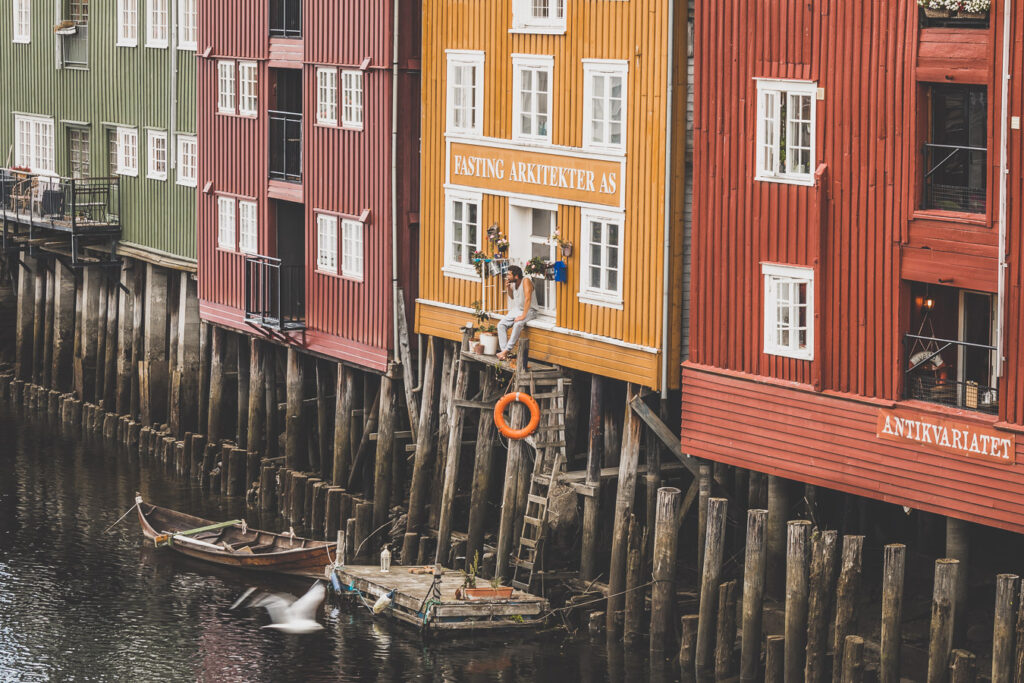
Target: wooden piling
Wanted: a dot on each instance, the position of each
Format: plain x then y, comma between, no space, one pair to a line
296,455
268,488
958,547
344,404
710,578
449,376
101,329
425,442
215,419
242,367
332,512
666,536
383,469
847,591
236,472
451,465
319,518
363,527
893,570
725,635
940,636
963,667
478,498
154,388
753,596
703,494
774,660
1003,633
25,316
853,660
1018,658
591,503
797,573
824,545
634,598
325,411
297,498
775,533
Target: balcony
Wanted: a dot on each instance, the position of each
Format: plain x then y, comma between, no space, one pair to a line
931,378
286,146
956,178
274,294
286,18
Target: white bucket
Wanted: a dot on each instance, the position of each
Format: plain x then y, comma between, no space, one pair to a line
490,342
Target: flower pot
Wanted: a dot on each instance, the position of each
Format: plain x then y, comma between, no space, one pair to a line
973,16
489,341
933,13
488,593
566,250
478,349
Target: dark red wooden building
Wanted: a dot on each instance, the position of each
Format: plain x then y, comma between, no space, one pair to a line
857,251
309,170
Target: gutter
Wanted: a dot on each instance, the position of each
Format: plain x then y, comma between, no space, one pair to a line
394,183
1003,179
666,249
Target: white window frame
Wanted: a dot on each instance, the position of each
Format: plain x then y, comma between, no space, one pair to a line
248,89
327,96
523,20
771,93
461,270
127,151
327,243
352,115
465,59
248,227
153,169
227,87
188,160
775,274
536,63
157,32
35,144
188,24
127,23
227,231
600,296
21,18
605,68
352,249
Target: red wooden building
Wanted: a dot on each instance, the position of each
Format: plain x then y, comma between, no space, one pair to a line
857,251
309,170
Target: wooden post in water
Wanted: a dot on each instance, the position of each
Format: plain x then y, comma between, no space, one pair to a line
710,578
940,636
688,645
703,494
268,488
821,589
634,599
205,390
214,420
297,498
270,409
1003,635
963,667
110,355
256,437
425,445
363,527
778,514
774,660
451,467
797,572
1018,658
725,636
242,386
486,431
853,660
295,452
189,353
595,451
958,547
753,596
663,593
385,442
154,398
64,331
325,421
893,569
846,599
344,404
236,472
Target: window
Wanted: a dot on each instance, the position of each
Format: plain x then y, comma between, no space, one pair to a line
77,11
226,87
127,151
956,172
127,23
531,102
157,158
327,96
187,24
465,92
538,16
604,105
226,223
22,21
352,249
601,270
248,98
327,243
286,18
34,144
78,152
248,236
785,131
788,311
111,152
462,234
156,23
187,160
352,99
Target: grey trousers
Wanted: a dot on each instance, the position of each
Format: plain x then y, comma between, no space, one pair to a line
506,342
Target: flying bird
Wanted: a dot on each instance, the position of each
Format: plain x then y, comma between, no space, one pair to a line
290,615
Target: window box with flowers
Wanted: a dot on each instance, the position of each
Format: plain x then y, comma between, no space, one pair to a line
956,11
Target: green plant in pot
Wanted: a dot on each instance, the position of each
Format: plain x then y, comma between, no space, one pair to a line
486,328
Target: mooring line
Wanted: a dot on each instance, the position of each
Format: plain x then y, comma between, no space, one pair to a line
121,518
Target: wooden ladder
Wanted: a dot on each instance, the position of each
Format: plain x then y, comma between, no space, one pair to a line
548,388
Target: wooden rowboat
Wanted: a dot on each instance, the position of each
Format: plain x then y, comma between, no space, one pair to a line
233,544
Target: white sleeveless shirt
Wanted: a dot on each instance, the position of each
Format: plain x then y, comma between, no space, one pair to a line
518,300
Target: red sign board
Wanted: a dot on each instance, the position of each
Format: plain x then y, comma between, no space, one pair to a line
965,439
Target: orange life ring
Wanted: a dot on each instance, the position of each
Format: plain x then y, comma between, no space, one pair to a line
499,415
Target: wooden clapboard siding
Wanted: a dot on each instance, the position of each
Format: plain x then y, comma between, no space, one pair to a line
635,31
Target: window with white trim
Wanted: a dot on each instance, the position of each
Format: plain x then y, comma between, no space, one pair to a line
127,151
187,22
22,27
786,131
327,96
462,233
601,267
788,311
156,144
327,243
465,95
127,23
34,143
188,160
226,223
352,248
248,235
604,104
226,87
248,94
538,16
531,97
352,99
156,23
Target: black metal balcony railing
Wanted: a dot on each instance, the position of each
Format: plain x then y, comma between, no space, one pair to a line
956,179
77,205
286,146
286,18
274,294
930,376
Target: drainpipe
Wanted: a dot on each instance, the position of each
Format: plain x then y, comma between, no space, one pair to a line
172,127
666,255
394,181
1004,132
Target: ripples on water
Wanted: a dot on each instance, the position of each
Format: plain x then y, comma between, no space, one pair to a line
78,604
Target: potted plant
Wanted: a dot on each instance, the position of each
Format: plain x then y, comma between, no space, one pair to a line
535,266
469,591
973,9
564,245
487,329
934,9
960,9
479,258
501,245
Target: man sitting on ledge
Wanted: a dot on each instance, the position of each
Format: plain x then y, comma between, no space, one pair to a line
521,310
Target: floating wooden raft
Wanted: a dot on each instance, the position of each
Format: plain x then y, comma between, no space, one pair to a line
412,606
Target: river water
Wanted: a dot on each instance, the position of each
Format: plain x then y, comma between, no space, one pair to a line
80,604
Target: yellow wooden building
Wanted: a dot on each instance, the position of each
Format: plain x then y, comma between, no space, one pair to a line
558,115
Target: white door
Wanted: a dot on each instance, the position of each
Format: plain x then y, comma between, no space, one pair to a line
529,235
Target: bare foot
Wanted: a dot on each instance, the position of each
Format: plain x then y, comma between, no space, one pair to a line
503,355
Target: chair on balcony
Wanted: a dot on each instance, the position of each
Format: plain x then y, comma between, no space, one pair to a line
22,194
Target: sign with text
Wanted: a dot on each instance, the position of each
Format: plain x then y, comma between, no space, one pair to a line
556,177
947,436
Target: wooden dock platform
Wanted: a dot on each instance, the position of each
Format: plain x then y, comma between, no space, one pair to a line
415,604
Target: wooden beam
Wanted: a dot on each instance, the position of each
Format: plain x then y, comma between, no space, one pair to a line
412,402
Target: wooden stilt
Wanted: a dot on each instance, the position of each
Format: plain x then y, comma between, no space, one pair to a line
319,517
753,596
345,393
205,389
64,329
628,462
46,354
101,330
703,495
963,667
853,660
365,445
363,527
688,645
666,536
189,353
1003,633
892,613
1018,658
385,443
242,366
154,364
778,514
236,472
940,637
425,442
824,546
256,436
757,490
268,488
270,408
591,507
775,657
451,469
332,512
110,349
215,421
846,598
710,577
296,454
449,376
486,431
797,572
324,419
138,335
958,547
725,635
297,498
634,598
39,320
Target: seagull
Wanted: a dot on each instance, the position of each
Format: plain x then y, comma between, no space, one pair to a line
290,615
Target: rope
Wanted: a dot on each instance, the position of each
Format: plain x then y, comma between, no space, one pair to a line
121,518
601,599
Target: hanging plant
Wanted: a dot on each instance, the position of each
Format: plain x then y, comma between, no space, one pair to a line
501,245
479,258
536,266
564,245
